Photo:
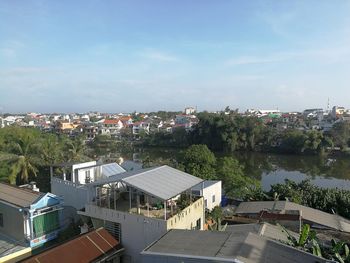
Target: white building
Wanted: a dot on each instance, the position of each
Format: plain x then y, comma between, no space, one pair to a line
138,207
190,110
211,192
74,185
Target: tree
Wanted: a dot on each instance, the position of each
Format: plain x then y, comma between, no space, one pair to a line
236,184
22,156
341,134
75,150
200,161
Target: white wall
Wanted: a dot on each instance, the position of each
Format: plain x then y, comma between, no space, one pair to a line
137,232
73,194
188,217
209,192
80,177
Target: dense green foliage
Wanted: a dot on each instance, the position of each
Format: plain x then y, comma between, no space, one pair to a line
232,132
178,138
338,251
199,161
304,193
26,154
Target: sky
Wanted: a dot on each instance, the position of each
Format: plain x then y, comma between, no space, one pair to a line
148,55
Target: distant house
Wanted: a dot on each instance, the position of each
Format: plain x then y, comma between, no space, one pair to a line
29,217
190,110
66,127
140,126
95,246
185,121
338,111
111,127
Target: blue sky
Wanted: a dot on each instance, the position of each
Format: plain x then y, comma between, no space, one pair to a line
112,56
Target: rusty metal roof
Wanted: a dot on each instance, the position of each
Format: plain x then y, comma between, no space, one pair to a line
17,196
84,248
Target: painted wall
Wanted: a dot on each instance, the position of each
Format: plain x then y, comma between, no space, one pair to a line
209,192
188,217
137,232
13,222
73,194
80,176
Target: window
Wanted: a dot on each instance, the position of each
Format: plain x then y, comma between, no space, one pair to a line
87,177
1,220
46,223
213,198
206,203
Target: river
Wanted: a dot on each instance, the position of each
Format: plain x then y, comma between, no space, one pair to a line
327,172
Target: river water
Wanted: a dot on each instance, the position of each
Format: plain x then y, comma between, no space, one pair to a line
327,172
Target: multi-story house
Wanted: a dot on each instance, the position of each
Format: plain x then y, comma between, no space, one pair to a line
29,217
136,207
111,127
138,127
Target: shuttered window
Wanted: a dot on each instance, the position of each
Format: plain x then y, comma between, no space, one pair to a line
45,223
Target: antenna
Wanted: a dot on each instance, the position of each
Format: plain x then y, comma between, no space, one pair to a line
328,105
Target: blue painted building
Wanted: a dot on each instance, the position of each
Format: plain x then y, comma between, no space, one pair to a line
29,217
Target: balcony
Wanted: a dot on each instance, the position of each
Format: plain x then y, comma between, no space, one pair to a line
136,202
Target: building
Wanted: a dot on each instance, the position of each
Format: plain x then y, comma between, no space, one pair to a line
190,110
95,246
211,192
74,185
138,207
293,214
312,113
30,218
338,111
140,126
216,246
111,127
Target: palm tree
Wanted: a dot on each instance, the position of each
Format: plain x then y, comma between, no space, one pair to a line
75,150
22,157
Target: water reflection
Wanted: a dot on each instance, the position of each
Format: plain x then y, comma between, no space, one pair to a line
330,172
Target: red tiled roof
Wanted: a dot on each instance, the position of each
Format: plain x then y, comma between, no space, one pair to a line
111,121
125,118
84,248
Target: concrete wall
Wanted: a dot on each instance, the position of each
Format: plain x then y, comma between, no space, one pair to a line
13,222
188,217
208,193
73,194
80,178
137,232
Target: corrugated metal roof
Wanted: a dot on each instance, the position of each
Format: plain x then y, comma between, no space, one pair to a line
84,248
18,196
307,213
164,182
226,246
263,229
111,169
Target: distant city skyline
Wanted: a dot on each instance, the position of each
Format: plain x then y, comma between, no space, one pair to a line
125,56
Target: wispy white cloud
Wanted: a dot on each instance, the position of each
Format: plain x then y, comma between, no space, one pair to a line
158,55
326,55
9,49
8,52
